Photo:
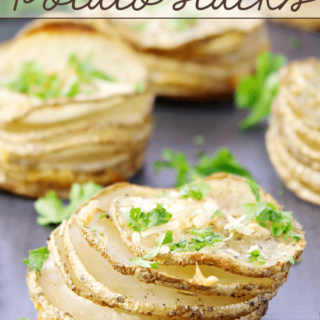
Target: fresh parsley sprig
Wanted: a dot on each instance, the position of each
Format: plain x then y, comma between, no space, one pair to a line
141,221
52,210
280,222
222,161
256,92
202,238
36,259
164,238
255,256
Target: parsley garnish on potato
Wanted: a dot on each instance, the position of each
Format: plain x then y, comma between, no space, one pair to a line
202,238
264,212
36,259
51,208
195,190
222,161
255,256
141,221
256,92
33,81
166,237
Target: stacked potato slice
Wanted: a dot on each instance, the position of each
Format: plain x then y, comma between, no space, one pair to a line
97,131
293,138
90,273
195,58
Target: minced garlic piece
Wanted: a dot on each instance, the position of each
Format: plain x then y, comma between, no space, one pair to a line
200,279
135,237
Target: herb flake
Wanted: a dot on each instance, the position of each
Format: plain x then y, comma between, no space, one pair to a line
36,259
52,210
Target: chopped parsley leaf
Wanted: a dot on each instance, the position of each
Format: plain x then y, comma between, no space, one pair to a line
33,81
255,188
140,262
222,161
140,87
257,91
103,215
217,213
141,221
36,259
290,259
166,237
263,212
202,238
193,214
94,230
51,208
195,190
255,256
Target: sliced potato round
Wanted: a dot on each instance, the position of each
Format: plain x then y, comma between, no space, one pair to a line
301,189
124,112
53,300
36,184
229,193
293,136
117,290
102,235
74,37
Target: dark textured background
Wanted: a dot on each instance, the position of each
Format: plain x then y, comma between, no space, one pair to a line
177,123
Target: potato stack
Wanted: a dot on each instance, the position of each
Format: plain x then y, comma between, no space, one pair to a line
95,271
74,107
195,58
293,137
306,18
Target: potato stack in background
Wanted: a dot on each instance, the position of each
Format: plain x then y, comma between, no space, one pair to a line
293,137
195,58
306,18
91,274
74,107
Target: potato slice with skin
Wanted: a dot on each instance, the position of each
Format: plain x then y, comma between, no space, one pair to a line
67,37
102,235
125,292
53,300
229,192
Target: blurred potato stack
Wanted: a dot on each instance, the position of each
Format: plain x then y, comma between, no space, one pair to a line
195,58
293,137
90,273
306,18
74,107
